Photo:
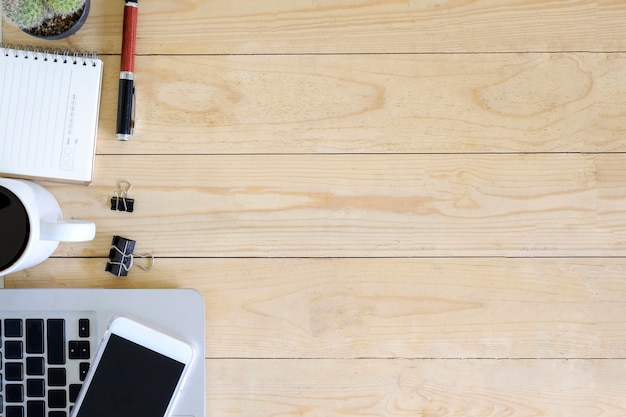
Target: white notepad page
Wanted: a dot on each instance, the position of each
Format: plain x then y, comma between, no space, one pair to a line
49,106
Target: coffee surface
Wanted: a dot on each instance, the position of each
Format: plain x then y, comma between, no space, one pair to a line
14,228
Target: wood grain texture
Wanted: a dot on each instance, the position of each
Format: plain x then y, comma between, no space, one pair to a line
372,104
391,208
428,388
355,26
358,205
386,308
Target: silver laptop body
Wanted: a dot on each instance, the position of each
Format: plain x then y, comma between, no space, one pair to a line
86,314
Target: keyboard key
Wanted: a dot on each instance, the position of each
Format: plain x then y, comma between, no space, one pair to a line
34,365
83,327
13,349
35,387
84,368
34,336
57,413
14,371
73,349
74,390
14,393
57,377
13,328
56,341
14,411
35,409
84,350
57,398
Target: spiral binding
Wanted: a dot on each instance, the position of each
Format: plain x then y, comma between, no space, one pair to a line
57,55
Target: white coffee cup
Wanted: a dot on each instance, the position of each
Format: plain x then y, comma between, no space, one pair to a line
32,225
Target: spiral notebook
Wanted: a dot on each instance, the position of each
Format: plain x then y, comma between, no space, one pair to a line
49,107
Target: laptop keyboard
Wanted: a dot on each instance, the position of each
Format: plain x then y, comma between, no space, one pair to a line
43,361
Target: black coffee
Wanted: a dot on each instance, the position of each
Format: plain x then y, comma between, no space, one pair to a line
14,228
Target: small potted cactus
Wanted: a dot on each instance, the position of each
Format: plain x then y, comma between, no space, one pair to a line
47,19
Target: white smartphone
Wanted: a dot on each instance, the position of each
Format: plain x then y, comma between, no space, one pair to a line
137,371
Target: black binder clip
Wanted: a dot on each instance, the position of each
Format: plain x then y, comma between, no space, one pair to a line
122,256
120,200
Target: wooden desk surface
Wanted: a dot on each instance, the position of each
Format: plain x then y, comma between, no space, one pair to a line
409,208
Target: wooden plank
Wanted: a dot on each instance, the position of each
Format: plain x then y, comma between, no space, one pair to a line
339,26
358,205
373,104
430,388
385,308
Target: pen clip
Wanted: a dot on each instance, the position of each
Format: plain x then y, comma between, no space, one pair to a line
132,112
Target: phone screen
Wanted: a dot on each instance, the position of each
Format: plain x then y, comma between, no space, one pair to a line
130,380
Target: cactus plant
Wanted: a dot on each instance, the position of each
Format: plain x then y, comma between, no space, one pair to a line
64,7
24,13
28,14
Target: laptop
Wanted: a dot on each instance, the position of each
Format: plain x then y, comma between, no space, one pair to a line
59,330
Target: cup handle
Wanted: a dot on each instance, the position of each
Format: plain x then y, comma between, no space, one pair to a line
68,231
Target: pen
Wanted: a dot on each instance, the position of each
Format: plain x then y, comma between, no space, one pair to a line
126,92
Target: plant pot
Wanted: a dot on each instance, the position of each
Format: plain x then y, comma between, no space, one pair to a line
78,19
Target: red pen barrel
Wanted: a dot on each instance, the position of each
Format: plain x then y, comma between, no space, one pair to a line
129,37
126,92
